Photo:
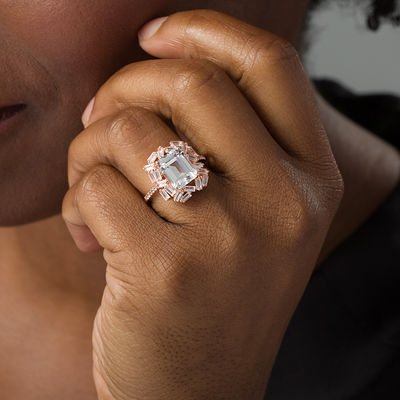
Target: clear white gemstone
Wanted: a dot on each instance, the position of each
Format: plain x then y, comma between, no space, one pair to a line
178,196
160,151
148,167
171,191
177,143
156,175
177,169
164,194
192,158
199,184
152,176
162,183
152,158
186,197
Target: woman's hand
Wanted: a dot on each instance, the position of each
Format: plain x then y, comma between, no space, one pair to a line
199,294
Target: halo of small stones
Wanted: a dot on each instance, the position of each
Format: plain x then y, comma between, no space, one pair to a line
162,184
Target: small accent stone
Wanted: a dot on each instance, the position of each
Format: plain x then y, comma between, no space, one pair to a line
160,152
178,196
164,194
152,158
186,197
189,188
192,158
177,144
199,184
162,183
150,192
171,190
149,167
152,176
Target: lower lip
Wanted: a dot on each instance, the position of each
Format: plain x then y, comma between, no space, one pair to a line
12,113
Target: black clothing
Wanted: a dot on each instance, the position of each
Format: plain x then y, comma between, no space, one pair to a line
344,339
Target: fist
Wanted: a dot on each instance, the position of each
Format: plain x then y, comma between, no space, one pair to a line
199,294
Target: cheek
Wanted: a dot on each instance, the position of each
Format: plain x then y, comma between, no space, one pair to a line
58,53
71,37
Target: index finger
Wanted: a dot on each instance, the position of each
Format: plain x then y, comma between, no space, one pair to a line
265,67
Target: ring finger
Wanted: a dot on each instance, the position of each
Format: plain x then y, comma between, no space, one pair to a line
125,140
203,104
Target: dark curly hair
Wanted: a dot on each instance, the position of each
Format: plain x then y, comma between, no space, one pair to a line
378,11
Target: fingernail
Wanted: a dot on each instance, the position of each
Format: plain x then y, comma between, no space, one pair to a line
87,112
150,28
83,238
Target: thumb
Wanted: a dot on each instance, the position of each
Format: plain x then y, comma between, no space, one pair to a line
83,238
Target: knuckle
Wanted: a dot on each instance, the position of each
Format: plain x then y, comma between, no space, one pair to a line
328,179
197,74
297,218
226,230
259,50
303,213
73,149
332,190
122,78
93,183
280,49
127,127
294,207
309,209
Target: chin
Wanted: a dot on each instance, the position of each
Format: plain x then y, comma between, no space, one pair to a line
19,207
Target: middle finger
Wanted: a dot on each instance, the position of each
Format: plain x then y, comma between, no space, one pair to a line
203,104
125,140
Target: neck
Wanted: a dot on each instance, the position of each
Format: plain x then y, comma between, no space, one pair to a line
42,257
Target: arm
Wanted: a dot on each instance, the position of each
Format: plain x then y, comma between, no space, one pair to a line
370,168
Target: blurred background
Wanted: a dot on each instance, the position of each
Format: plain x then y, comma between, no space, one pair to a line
344,49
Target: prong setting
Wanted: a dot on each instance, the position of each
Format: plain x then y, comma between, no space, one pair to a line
171,169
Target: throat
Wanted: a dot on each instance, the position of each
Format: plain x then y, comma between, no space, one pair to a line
42,258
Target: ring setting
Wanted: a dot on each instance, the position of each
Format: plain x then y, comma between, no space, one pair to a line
172,169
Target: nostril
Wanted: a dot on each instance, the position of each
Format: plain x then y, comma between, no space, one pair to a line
9,111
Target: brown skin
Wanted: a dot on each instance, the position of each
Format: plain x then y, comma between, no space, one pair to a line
179,320
63,73
43,274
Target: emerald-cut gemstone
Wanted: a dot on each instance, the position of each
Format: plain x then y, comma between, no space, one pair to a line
177,168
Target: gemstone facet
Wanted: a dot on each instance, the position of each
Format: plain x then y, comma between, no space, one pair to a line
178,165
177,168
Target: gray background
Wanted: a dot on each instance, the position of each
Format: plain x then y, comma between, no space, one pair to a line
344,49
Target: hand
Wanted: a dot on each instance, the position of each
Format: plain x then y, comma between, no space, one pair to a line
199,294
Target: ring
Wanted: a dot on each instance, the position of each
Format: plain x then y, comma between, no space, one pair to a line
171,169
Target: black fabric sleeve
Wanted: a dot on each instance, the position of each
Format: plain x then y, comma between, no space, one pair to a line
344,339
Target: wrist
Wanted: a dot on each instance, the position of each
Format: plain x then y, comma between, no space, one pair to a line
370,168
